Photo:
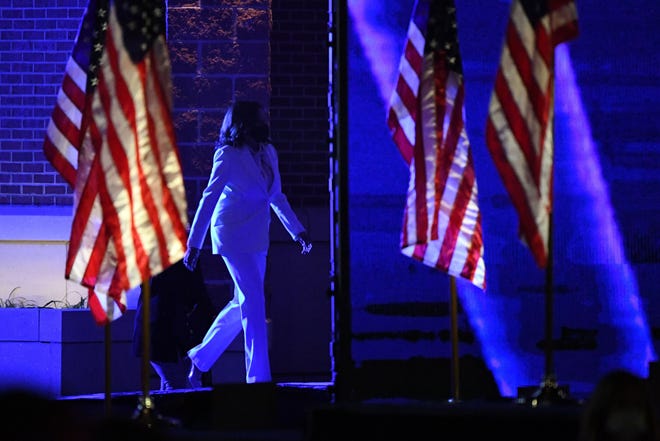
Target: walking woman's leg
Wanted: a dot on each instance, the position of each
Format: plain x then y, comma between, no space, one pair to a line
223,331
248,271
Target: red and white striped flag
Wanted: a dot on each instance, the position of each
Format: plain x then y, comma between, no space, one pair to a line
519,129
442,221
111,137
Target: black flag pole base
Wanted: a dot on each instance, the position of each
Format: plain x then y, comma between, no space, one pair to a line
147,415
548,393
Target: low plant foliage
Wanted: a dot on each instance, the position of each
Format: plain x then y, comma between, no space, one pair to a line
15,301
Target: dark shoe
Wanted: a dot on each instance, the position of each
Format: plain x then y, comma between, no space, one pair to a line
195,377
172,375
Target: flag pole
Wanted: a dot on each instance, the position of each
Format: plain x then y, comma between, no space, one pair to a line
144,411
146,338
549,392
454,341
108,367
550,376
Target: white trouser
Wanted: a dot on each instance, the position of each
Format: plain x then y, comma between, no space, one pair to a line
247,311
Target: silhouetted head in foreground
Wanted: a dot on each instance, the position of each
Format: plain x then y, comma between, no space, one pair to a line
620,408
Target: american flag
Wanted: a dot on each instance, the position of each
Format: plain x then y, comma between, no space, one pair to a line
519,129
111,138
442,221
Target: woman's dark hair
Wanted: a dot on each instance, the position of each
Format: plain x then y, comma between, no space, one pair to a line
244,122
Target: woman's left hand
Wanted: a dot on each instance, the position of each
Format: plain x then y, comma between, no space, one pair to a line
305,242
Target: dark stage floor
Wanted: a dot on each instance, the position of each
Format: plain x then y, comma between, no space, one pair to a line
308,412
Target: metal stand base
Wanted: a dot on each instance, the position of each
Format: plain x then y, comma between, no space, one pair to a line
146,415
548,393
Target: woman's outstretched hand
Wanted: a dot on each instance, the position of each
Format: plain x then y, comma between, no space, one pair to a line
305,242
190,258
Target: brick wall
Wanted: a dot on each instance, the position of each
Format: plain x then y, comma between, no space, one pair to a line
299,98
217,52
275,53
35,42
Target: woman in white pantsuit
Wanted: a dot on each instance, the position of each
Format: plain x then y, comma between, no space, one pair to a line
243,186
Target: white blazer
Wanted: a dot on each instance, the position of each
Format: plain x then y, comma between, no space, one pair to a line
236,203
